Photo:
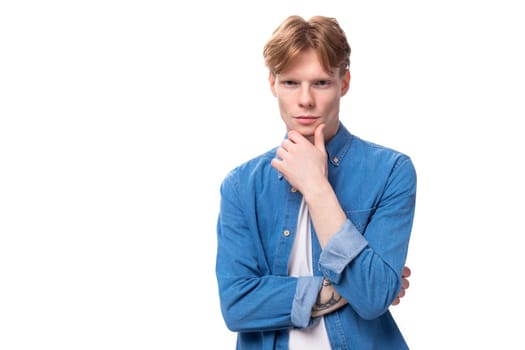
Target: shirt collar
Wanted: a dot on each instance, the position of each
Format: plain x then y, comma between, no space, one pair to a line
339,145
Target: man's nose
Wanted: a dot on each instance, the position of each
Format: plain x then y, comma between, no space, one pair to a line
306,98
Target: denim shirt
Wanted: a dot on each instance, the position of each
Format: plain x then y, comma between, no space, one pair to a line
376,187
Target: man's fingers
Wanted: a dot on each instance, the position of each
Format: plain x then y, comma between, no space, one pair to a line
404,285
406,272
286,144
319,137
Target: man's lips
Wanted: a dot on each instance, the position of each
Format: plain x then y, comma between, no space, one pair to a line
306,120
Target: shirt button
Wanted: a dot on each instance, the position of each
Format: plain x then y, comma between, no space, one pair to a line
294,189
286,233
336,160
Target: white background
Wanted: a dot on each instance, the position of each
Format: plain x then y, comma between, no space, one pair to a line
119,119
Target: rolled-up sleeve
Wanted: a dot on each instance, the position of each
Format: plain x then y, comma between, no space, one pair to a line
340,250
305,297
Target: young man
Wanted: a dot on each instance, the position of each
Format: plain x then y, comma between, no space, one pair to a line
313,235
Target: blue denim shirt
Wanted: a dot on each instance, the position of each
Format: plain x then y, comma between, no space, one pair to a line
376,187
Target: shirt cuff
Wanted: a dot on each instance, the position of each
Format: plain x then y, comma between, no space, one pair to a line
340,250
305,296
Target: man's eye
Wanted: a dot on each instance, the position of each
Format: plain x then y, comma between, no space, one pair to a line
322,83
289,83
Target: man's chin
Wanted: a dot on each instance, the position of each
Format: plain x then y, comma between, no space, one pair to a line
307,133
306,130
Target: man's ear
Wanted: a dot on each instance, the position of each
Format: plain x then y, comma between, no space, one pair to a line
272,79
345,83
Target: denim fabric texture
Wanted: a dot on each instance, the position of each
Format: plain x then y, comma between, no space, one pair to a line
376,186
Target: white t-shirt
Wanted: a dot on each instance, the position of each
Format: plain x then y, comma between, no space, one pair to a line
300,264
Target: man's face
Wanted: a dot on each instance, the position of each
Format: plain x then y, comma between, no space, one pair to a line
309,96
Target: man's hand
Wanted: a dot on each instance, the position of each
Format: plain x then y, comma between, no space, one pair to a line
404,285
302,163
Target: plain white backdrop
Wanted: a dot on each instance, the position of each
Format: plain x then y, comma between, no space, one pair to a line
119,119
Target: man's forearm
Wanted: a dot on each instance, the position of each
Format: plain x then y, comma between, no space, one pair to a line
325,211
328,300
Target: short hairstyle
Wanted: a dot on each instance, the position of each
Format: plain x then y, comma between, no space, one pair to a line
295,34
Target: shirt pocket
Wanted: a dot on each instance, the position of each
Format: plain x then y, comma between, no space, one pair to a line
360,218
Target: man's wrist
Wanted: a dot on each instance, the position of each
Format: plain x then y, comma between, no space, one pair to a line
328,300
